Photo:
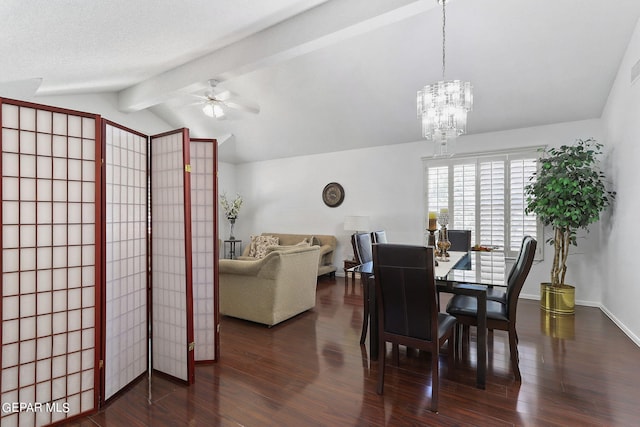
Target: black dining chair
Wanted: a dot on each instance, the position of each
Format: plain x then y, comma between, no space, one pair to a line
501,314
379,236
460,240
362,249
499,293
407,310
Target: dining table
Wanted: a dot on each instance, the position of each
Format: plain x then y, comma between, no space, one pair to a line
462,273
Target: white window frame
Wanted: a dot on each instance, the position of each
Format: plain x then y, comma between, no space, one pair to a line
476,158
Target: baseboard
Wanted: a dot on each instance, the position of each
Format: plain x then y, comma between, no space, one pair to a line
621,325
633,337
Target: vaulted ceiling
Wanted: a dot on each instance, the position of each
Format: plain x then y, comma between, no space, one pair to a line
328,75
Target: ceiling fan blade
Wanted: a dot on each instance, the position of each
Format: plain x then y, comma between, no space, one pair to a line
223,95
243,107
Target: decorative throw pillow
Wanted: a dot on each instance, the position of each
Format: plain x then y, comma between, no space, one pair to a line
261,244
252,246
303,244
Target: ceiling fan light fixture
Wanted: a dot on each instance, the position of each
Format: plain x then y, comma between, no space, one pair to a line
218,112
208,109
213,110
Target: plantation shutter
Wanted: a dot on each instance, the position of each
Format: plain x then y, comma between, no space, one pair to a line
438,187
492,203
464,198
520,224
485,194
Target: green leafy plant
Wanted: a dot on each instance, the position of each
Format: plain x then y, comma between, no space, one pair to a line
568,193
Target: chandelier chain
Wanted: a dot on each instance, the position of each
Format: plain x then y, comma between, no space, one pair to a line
444,20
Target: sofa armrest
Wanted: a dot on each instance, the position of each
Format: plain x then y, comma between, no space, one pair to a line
244,267
326,254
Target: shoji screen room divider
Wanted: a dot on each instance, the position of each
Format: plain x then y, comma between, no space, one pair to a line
171,256
204,211
79,268
126,268
51,250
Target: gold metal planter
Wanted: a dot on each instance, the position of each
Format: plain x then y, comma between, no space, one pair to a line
558,299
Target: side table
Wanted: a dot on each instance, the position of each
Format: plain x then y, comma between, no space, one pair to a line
233,244
349,263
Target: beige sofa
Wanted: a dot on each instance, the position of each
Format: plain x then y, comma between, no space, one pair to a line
271,289
327,245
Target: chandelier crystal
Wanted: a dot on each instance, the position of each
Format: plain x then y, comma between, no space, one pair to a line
443,106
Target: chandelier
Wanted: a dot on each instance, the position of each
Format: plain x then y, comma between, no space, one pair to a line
443,106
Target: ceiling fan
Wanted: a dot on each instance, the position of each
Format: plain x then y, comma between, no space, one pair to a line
217,102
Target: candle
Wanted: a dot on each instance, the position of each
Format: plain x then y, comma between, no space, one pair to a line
432,221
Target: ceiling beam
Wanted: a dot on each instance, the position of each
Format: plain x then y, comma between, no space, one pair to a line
321,26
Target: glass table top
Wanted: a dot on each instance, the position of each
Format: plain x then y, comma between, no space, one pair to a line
488,268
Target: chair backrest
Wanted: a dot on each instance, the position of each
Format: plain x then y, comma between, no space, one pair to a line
406,290
519,273
362,247
379,236
460,240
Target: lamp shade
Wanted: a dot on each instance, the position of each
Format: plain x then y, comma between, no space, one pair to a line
356,223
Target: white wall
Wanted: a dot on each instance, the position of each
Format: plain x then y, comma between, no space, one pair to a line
618,257
385,183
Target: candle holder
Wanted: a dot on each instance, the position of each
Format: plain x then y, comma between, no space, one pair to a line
443,219
443,244
431,238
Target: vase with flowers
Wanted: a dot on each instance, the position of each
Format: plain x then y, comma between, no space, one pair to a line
231,210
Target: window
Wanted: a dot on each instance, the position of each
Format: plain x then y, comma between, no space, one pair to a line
485,194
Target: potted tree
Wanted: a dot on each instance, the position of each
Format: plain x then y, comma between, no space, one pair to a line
567,193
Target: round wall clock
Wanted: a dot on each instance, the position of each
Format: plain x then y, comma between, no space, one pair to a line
333,194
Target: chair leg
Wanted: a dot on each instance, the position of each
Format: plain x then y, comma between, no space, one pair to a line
365,320
466,340
435,381
451,354
513,347
395,354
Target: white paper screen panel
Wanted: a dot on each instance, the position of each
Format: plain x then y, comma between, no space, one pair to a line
50,248
125,258
204,238
172,317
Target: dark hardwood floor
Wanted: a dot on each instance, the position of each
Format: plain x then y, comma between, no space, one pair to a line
312,371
